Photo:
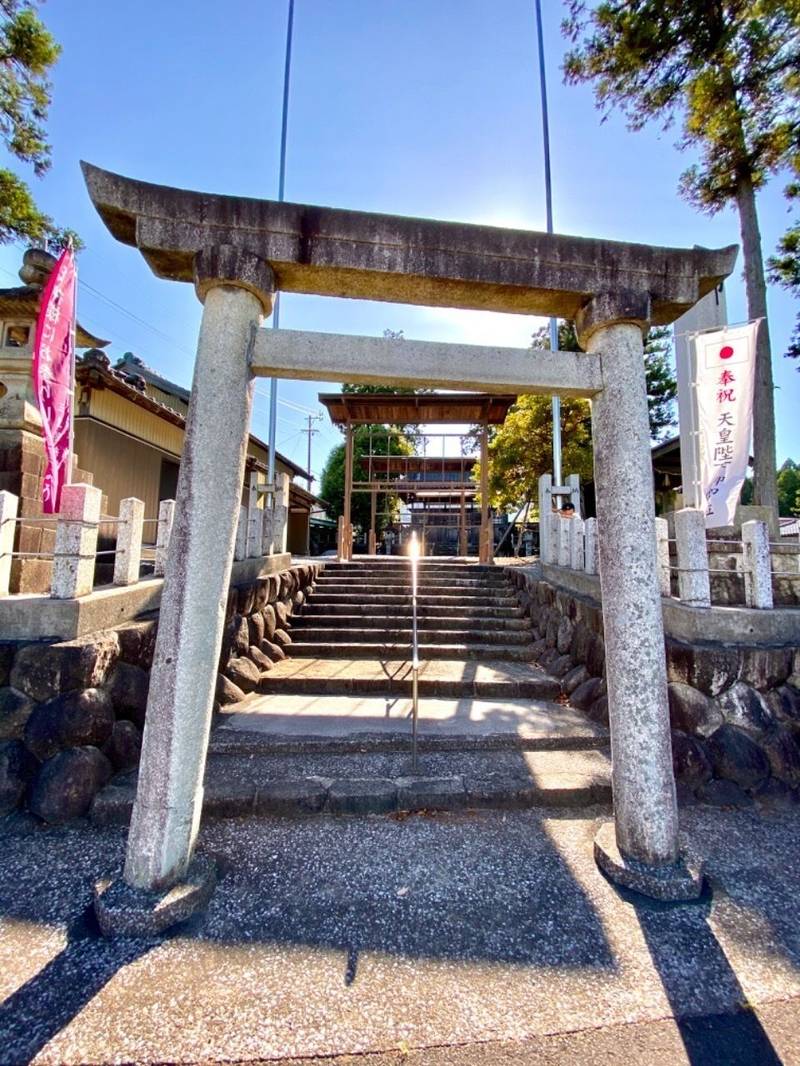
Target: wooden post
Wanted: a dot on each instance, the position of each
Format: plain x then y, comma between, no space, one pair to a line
486,547
372,519
462,525
128,555
347,539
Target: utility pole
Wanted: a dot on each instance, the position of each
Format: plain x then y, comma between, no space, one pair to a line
548,193
310,419
276,314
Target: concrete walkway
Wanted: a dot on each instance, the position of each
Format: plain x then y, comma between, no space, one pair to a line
538,722
472,938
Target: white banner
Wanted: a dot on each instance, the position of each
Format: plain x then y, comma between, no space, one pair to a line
725,372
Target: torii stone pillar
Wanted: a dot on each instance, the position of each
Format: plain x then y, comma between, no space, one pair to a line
640,848
236,288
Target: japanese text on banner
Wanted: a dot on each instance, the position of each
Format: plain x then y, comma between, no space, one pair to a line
725,366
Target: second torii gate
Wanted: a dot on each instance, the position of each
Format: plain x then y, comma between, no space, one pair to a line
238,252
349,409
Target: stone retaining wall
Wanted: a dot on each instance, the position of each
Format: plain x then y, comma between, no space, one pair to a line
734,708
72,713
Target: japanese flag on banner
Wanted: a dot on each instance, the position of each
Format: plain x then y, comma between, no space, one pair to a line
725,372
53,375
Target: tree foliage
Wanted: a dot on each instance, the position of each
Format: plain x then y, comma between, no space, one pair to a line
784,268
731,71
521,450
333,475
27,54
789,488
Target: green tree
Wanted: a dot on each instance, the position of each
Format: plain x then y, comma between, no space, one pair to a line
789,488
27,53
784,268
730,71
521,450
332,480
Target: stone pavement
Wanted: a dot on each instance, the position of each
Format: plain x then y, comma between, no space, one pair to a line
476,938
533,722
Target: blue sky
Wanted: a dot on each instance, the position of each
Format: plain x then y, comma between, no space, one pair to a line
415,107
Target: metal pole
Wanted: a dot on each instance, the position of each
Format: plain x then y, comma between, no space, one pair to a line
548,193
413,554
276,314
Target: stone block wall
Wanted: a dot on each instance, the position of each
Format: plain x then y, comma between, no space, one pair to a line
734,709
72,713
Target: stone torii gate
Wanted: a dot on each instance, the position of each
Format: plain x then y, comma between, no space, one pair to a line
238,253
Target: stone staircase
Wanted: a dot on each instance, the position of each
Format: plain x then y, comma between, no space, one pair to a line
329,730
363,610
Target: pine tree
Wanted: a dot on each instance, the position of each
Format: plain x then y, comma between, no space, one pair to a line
27,53
729,70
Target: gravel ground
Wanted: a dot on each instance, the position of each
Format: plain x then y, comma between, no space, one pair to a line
387,935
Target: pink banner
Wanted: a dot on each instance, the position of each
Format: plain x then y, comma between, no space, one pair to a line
54,373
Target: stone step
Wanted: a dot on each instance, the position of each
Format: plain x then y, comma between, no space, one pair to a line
488,678
404,589
339,581
276,786
351,649
424,599
399,563
400,632
327,619
286,724
313,608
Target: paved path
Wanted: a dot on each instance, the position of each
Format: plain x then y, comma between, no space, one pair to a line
443,936
348,716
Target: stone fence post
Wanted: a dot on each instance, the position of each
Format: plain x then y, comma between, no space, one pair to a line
576,543
240,547
9,504
281,514
128,556
255,519
662,549
590,546
757,565
166,515
545,507
690,535
76,541
553,529
563,541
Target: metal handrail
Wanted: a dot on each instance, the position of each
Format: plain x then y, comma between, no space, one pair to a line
413,555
